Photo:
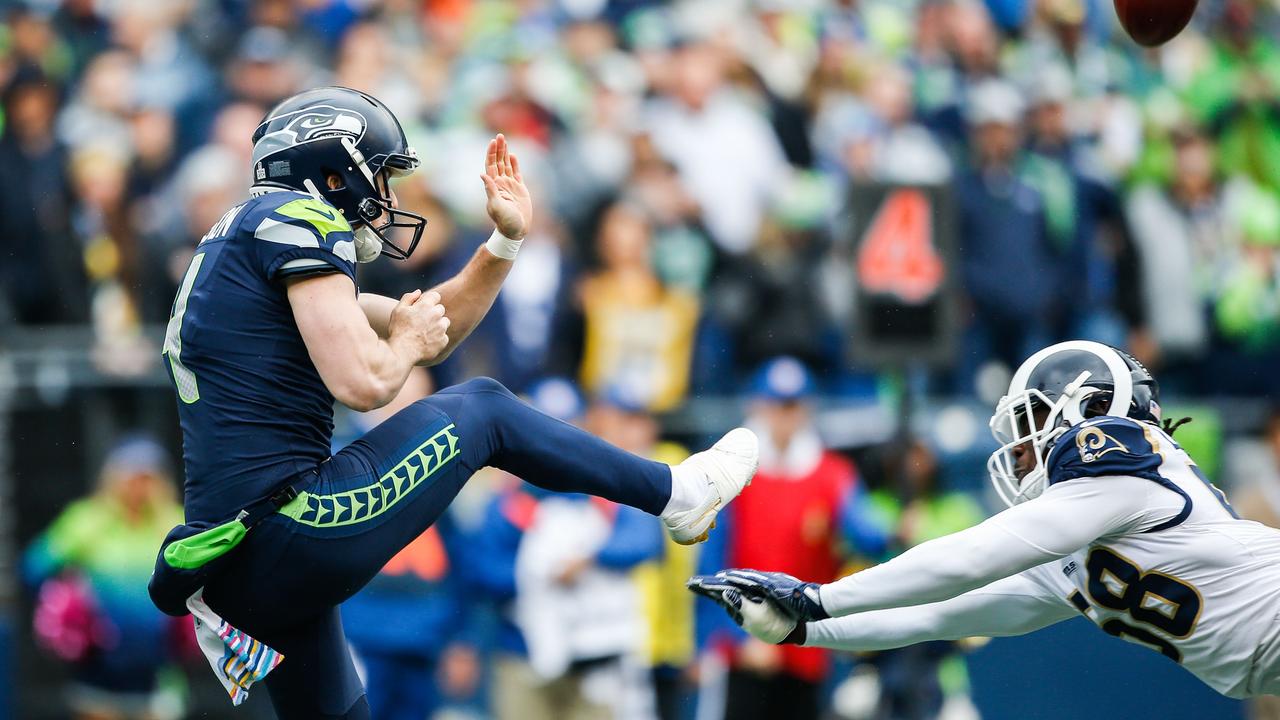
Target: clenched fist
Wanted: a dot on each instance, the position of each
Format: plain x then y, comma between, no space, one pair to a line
419,328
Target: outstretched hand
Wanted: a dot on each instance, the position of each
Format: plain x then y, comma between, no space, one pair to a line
760,617
800,600
509,204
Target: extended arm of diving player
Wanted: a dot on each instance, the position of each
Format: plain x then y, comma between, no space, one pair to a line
1068,516
1010,606
934,589
974,582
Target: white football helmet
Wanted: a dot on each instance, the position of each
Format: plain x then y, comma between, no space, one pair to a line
1059,387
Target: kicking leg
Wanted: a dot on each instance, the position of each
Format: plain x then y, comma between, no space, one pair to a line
490,426
374,497
558,456
363,505
513,436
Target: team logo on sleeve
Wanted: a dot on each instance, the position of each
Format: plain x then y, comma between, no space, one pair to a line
1093,443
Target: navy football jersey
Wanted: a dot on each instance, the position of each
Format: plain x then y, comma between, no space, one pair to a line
253,409
1104,446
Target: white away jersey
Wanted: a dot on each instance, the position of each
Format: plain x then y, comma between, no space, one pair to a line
1198,585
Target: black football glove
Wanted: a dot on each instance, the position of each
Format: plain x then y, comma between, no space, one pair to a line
798,599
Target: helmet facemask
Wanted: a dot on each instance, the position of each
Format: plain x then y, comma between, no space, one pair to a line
1055,389
376,220
1015,423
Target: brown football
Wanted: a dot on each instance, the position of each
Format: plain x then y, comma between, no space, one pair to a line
1154,22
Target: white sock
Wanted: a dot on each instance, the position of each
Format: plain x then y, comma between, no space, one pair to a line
689,488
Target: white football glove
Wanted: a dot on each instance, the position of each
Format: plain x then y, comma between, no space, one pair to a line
760,617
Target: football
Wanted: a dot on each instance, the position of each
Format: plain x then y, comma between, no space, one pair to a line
1154,22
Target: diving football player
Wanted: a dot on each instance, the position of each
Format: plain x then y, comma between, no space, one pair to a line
1108,518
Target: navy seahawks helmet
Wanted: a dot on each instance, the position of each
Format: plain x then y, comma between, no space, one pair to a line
337,131
1059,387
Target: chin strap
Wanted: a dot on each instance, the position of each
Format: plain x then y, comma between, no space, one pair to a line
368,245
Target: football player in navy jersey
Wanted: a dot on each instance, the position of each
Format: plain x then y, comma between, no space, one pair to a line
1108,518
269,328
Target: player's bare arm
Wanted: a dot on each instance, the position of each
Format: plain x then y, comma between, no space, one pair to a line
468,295
377,310
362,370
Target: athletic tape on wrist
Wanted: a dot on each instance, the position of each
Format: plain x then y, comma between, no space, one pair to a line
502,246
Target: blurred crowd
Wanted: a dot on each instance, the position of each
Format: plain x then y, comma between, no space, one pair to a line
692,165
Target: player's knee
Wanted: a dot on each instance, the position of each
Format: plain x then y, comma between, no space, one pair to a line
488,401
486,384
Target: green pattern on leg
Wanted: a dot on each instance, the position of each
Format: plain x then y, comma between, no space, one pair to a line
361,504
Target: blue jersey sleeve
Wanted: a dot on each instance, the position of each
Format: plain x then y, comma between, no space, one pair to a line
297,235
1104,446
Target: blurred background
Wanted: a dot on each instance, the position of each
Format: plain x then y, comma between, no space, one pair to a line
842,222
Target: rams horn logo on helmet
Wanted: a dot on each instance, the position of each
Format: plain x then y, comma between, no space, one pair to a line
317,122
1093,443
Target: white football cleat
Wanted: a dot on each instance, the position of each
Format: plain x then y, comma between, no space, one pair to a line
727,467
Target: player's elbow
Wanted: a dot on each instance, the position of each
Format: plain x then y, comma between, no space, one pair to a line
363,394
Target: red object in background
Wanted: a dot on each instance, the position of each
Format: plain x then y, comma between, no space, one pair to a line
789,524
424,558
897,255
1154,22
182,640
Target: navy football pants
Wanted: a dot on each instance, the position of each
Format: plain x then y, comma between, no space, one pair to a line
360,507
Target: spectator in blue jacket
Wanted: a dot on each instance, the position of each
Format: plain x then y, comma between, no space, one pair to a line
1009,268
519,689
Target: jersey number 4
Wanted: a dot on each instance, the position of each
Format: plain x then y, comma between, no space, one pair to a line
1153,599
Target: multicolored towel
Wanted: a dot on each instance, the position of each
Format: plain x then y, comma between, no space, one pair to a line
237,660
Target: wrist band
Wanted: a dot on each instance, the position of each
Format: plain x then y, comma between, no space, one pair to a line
502,246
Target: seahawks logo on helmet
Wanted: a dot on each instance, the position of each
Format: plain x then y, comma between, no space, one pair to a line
312,123
1093,443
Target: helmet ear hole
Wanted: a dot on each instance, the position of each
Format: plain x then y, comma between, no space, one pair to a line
1097,405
